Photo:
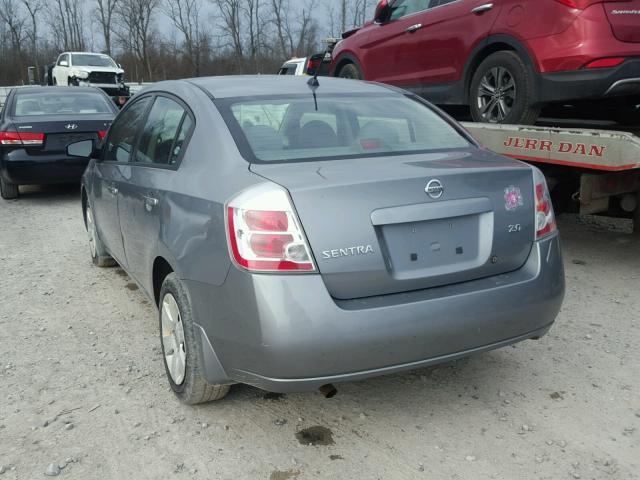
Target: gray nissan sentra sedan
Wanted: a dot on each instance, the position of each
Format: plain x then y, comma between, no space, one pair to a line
294,237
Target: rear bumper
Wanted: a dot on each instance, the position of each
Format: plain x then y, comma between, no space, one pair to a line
623,80
20,168
285,333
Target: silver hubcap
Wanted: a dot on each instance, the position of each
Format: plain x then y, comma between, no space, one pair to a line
496,95
173,342
91,231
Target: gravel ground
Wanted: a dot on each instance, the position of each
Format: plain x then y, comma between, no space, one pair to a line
84,393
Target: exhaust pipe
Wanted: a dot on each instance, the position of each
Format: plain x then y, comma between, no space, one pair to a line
328,390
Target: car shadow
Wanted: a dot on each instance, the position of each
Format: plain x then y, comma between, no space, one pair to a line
45,193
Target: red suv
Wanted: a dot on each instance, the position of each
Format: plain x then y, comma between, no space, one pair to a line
504,58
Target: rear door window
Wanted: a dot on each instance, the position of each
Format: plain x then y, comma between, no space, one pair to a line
164,133
122,134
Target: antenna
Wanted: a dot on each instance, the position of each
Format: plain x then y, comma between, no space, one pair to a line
313,81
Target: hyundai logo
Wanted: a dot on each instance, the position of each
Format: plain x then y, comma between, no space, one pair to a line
434,189
71,126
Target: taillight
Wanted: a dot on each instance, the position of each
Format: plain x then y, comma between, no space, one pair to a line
583,4
545,218
21,138
265,234
102,134
313,64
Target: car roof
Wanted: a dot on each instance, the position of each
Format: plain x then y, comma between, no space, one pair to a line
86,53
260,85
57,89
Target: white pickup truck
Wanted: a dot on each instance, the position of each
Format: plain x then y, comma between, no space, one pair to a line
89,69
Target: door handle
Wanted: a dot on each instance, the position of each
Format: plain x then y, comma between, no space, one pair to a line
480,9
414,28
112,189
150,202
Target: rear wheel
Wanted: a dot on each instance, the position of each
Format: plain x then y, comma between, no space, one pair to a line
8,191
350,71
503,91
99,254
179,347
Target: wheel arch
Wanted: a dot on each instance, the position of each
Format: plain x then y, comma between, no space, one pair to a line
493,44
84,199
161,269
344,59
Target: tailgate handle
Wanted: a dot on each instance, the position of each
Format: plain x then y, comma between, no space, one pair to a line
431,211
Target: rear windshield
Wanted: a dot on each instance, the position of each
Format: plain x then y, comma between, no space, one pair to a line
60,102
87,60
289,129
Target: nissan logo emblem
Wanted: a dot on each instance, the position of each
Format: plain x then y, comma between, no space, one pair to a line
71,126
434,189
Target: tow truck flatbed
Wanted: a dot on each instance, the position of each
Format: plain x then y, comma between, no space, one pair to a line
597,167
595,149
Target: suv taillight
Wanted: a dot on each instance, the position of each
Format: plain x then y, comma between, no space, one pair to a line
265,234
545,217
583,4
313,64
21,138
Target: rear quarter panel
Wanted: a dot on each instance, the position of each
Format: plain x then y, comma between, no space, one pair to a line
193,234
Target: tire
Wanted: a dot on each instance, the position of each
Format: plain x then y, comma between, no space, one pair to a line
503,91
99,254
350,71
8,191
55,82
179,346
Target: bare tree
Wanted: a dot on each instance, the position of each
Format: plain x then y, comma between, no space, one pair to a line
231,15
135,18
10,16
68,23
186,16
106,10
307,28
280,11
252,9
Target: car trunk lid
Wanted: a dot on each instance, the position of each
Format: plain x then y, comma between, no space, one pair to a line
374,229
624,18
60,133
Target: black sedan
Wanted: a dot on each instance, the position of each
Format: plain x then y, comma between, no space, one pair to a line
37,124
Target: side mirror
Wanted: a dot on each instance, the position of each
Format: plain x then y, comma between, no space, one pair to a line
64,63
119,65
82,149
383,11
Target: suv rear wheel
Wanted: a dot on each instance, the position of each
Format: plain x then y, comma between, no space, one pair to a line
350,71
503,91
